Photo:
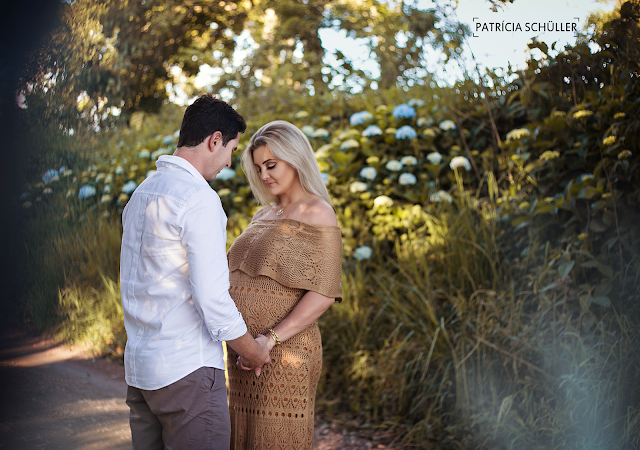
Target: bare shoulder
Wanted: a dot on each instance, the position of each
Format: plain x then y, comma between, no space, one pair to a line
316,211
261,213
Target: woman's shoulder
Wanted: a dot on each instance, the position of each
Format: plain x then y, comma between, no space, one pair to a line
261,213
316,211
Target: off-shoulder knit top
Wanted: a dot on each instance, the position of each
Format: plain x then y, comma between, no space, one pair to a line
295,254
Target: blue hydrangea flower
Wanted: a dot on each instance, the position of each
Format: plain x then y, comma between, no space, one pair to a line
25,195
407,178
144,154
363,252
86,191
62,170
372,130
369,173
226,174
129,187
403,112
325,178
406,132
176,134
168,140
50,175
360,117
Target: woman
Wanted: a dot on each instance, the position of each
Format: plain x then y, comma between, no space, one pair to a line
285,271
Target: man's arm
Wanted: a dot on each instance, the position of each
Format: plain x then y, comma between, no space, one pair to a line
204,237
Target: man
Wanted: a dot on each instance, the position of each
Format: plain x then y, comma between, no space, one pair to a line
174,283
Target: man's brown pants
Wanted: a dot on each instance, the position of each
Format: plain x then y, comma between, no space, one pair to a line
191,413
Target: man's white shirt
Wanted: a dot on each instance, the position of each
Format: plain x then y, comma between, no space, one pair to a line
174,277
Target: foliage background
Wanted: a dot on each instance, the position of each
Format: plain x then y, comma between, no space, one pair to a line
504,318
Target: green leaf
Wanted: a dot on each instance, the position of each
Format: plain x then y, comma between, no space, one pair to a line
565,269
588,192
602,301
550,286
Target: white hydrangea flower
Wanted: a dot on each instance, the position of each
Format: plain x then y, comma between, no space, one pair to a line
363,252
108,178
144,154
393,165
434,158
407,178
106,198
308,130
119,170
349,144
409,160
160,151
320,133
582,113
47,190
383,201
106,189
460,161
447,125
369,173
517,134
357,186
441,196
422,121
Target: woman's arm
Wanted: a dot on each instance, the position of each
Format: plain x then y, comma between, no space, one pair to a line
308,309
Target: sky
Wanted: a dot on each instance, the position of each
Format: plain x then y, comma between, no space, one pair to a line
492,48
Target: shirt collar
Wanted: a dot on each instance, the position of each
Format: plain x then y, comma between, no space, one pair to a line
182,163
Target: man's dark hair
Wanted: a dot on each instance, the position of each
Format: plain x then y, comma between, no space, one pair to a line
207,115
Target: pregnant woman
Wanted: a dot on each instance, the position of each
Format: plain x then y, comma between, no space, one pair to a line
285,271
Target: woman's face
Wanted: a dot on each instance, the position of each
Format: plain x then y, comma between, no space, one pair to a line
278,176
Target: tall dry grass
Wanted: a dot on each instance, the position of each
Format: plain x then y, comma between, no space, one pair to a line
449,342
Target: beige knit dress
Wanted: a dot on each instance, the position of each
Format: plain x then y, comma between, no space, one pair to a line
272,264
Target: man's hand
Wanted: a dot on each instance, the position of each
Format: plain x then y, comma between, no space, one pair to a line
265,342
254,352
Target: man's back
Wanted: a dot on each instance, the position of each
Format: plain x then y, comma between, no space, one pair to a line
174,277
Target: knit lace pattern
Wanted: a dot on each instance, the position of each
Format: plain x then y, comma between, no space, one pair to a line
272,265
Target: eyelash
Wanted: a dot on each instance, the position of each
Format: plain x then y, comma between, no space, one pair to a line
268,168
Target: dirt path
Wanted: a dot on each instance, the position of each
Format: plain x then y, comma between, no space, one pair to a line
56,397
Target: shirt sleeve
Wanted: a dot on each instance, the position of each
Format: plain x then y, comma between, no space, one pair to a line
203,233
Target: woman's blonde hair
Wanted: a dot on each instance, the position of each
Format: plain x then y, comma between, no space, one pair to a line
290,145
